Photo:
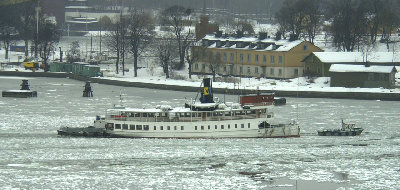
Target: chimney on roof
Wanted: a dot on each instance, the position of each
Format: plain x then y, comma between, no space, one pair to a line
218,34
239,34
278,35
262,35
293,37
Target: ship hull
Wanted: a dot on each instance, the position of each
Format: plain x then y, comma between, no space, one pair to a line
206,129
340,132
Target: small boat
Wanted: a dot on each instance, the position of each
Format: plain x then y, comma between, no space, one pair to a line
348,129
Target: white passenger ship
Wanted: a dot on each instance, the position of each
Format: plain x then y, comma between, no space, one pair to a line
208,119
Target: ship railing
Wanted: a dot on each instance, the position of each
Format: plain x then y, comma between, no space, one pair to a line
191,119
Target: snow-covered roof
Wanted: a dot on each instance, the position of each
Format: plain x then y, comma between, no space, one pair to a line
77,7
357,57
281,45
82,21
286,45
342,68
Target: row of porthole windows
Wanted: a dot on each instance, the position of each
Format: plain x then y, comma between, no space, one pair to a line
222,126
146,127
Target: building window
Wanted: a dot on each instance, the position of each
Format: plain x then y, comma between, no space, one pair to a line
195,127
229,126
296,72
235,125
280,72
146,127
256,70
370,76
182,128
138,127
248,70
248,58
217,57
272,59
161,128
241,58
196,66
210,56
305,47
225,57
264,59
232,57
155,128
117,126
168,128
256,58
241,69
271,72
224,68
202,127
216,127
209,127
381,77
222,126
204,57
132,127
175,128
242,125
248,125
203,67
264,71
124,126
280,60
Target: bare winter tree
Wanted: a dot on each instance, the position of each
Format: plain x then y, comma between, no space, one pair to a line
124,41
6,33
291,16
25,24
178,18
48,37
7,29
389,20
113,42
166,51
117,41
299,17
192,56
348,27
214,62
140,27
312,20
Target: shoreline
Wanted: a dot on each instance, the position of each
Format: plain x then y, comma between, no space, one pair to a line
299,94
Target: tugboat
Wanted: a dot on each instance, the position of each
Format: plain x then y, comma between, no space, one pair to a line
348,129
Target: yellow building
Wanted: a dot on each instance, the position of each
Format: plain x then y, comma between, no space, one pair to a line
251,56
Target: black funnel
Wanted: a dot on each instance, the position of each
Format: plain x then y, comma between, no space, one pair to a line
207,94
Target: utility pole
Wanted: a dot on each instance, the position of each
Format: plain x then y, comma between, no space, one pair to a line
37,29
61,55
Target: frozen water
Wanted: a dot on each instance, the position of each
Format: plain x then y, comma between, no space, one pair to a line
34,157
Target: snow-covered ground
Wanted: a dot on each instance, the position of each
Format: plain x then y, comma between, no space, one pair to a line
152,73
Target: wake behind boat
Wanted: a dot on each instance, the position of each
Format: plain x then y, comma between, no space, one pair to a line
205,119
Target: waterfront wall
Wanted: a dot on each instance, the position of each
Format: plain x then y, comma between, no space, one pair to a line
300,94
